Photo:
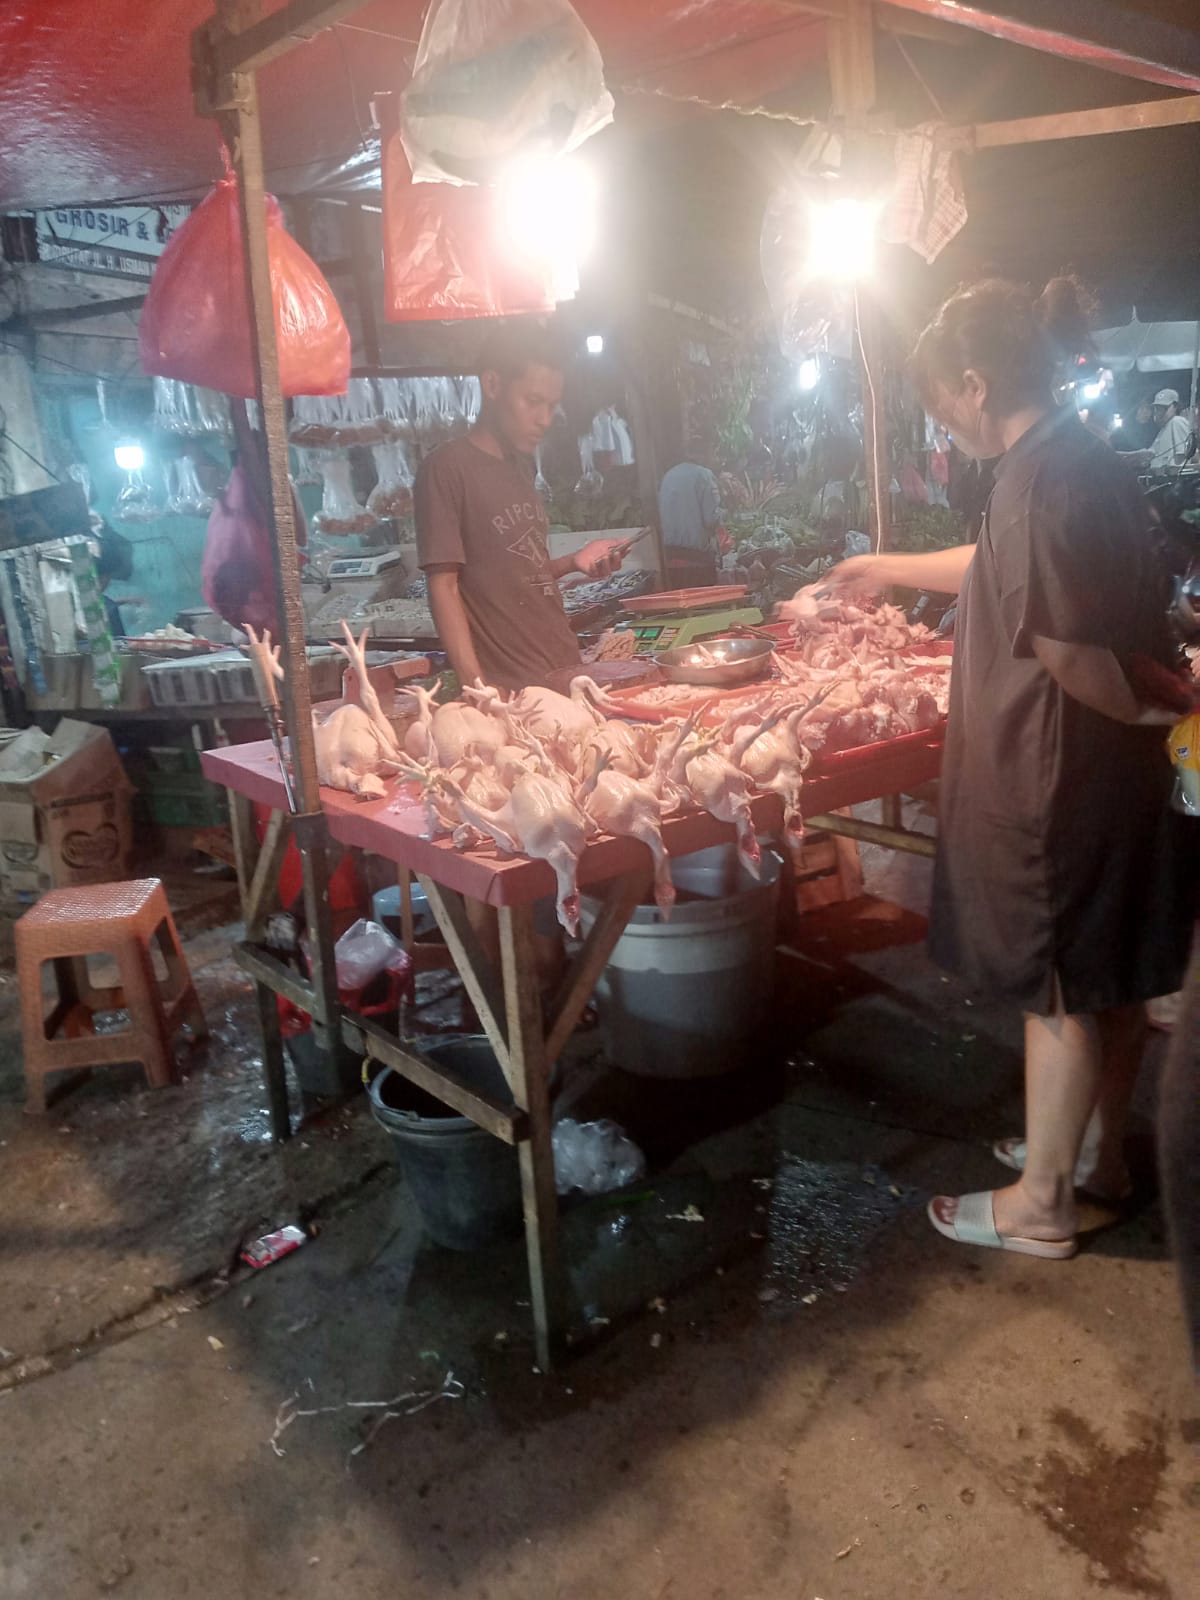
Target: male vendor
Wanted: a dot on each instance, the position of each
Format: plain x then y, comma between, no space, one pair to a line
481,528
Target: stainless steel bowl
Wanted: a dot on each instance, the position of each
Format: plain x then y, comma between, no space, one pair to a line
735,661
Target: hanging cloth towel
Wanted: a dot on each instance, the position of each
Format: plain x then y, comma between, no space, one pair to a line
927,206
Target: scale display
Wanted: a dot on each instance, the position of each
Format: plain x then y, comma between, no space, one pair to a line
655,634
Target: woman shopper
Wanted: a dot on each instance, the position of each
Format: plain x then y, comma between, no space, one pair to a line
1062,880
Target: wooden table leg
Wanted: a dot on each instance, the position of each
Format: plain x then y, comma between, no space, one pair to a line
529,1077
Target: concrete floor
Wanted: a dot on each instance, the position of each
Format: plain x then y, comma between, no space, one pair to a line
807,1395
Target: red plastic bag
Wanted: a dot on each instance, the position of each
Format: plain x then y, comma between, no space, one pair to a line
444,253
236,575
195,324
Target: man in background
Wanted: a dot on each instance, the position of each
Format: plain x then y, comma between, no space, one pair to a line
1175,441
689,512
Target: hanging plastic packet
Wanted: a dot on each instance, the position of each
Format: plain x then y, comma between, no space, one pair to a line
590,482
1184,748
136,502
494,80
188,498
340,512
540,482
470,400
307,471
392,495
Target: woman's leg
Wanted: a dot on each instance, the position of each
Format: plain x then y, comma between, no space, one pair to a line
1063,1056
1123,1032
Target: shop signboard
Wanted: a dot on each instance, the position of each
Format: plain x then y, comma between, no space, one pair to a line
117,241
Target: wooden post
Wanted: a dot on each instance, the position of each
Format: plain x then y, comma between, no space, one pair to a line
238,98
529,1080
851,37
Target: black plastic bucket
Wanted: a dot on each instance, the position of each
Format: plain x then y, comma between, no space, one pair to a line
466,1183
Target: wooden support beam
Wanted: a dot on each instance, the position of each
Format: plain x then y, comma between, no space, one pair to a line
256,906
1178,111
531,1090
851,41
366,1037
293,24
1095,33
580,981
474,968
269,971
913,844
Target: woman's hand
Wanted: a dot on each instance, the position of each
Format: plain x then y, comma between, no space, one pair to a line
856,575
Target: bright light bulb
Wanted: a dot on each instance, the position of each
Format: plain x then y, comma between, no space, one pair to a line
130,457
1091,391
547,208
595,344
809,374
1117,423
841,239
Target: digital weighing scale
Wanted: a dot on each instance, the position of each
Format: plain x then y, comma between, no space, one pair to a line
349,569
675,628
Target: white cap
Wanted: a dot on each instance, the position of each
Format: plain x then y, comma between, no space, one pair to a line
1166,397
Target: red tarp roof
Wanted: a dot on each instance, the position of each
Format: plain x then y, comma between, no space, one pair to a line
96,104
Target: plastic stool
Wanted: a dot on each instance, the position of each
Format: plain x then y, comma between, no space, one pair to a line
117,919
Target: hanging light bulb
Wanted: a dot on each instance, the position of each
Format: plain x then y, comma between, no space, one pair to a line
129,456
548,211
841,238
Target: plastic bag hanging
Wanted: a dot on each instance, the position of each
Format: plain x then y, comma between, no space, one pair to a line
494,80
392,494
236,574
340,513
441,251
195,324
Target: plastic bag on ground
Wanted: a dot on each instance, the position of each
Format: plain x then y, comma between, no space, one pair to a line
195,324
595,1157
364,951
497,79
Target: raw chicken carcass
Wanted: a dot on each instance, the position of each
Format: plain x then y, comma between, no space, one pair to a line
354,745
723,791
542,821
631,808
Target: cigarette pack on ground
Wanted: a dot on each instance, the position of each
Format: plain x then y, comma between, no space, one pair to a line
273,1247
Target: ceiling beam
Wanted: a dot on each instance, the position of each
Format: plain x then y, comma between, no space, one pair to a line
1096,33
1171,113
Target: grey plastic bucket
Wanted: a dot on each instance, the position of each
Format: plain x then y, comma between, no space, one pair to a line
686,998
466,1183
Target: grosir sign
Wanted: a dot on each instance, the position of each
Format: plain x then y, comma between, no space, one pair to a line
120,241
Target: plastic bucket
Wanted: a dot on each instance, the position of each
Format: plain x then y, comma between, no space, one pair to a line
466,1183
686,998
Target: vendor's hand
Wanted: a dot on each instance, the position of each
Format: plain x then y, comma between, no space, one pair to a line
855,575
600,558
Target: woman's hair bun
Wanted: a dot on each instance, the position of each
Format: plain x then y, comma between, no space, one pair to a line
1064,308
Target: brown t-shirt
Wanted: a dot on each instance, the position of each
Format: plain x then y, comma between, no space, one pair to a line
482,514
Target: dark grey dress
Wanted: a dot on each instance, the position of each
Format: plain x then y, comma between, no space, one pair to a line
1058,854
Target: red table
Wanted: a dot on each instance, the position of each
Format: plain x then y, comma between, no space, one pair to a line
508,1002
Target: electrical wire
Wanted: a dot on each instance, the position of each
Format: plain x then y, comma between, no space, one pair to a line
876,459
917,74
7,438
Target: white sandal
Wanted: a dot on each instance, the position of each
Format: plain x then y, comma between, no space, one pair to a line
975,1223
1011,1153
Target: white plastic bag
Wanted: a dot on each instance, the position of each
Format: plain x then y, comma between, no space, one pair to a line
364,951
594,1156
392,495
495,80
340,512
188,498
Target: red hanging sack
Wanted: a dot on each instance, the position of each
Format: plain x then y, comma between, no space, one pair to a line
195,324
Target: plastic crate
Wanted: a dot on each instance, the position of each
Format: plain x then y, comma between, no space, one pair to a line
178,807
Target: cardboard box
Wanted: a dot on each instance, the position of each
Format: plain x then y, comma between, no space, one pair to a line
65,812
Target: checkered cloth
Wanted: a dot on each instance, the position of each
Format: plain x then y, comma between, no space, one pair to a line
927,207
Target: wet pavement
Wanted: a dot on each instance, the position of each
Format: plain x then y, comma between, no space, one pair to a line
783,1383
